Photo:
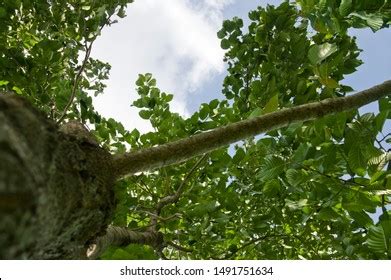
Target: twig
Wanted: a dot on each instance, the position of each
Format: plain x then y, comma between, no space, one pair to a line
173,198
350,182
252,242
186,179
80,72
161,254
145,188
385,137
179,247
76,81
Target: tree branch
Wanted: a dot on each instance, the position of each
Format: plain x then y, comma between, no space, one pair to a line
184,149
119,236
172,198
80,72
76,81
249,243
179,247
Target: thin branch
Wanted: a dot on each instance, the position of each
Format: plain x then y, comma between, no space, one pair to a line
164,219
170,199
350,182
385,137
184,182
381,147
174,198
145,188
184,149
76,81
80,72
161,254
374,138
179,247
252,242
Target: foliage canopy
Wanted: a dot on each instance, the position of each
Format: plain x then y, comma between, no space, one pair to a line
306,191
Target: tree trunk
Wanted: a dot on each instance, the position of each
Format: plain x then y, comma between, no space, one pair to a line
56,189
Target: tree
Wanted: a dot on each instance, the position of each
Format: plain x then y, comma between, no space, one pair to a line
303,190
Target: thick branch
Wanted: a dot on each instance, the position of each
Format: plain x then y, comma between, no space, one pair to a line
118,236
184,149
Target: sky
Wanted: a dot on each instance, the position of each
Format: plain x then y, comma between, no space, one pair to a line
176,41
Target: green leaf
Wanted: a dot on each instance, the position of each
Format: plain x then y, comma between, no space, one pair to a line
222,218
130,252
374,21
272,188
221,34
229,25
148,77
345,7
256,112
17,90
213,104
103,132
204,112
256,87
271,105
328,82
357,202
152,83
301,153
379,237
121,12
378,176
225,44
380,161
357,161
361,218
296,205
145,114
169,98
239,155
318,53
294,177
203,208
271,168
3,12
141,80
327,214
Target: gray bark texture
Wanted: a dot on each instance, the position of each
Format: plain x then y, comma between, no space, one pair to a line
56,188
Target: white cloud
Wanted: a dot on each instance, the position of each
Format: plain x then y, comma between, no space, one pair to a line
173,39
212,9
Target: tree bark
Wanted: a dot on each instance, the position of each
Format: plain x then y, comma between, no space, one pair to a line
56,196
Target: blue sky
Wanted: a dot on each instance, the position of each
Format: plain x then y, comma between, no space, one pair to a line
176,41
